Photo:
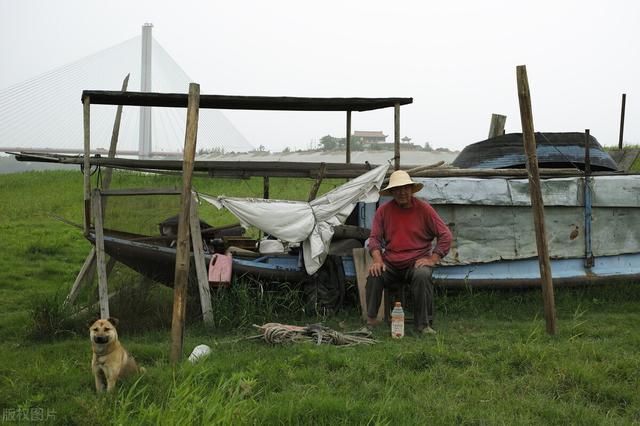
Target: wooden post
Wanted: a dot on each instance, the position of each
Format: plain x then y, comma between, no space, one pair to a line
201,269
316,184
624,101
88,268
496,128
348,137
86,109
100,256
85,274
182,248
106,181
265,187
396,136
526,116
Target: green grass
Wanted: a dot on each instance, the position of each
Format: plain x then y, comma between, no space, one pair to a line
490,363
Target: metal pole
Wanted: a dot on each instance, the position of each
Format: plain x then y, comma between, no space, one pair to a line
624,101
348,140
588,261
396,136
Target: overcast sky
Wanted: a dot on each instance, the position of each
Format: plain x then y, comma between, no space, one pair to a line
456,59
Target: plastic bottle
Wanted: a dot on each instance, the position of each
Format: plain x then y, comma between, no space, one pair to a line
397,321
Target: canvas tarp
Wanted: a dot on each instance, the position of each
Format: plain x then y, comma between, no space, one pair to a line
308,222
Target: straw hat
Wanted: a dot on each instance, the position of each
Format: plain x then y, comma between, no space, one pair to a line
400,178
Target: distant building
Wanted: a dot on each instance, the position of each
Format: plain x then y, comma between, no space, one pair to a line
369,138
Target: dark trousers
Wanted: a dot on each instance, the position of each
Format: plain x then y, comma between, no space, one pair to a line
421,289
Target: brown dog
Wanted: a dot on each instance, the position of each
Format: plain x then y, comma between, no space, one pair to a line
110,359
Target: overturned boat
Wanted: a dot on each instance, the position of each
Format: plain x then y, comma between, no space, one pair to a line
554,150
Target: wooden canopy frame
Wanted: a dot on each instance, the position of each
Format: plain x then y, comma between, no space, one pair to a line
193,101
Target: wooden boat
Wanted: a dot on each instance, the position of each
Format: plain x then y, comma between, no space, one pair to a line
155,258
554,150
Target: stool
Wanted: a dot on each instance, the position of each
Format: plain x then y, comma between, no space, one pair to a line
390,296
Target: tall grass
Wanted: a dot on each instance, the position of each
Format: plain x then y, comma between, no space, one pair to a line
490,363
197,398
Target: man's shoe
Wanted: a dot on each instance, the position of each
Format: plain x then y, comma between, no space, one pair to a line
426,330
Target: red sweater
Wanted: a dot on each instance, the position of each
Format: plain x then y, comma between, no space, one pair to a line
407,234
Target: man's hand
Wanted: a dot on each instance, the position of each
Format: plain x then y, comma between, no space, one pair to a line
429,261
377,268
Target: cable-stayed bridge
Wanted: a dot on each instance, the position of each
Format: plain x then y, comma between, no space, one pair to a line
44,113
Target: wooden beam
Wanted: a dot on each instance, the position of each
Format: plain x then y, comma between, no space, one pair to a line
316,184
100,254
348,137
141,191
199,261
182,248
396,136
537,205
423,168
496,128
624,101
88,268
266,103
86,113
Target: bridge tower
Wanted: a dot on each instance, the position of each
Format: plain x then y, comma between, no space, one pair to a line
144,143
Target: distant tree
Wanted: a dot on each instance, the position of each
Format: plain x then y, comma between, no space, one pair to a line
328,142
427,147
286,150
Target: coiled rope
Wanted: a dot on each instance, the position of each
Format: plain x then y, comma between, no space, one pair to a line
275,333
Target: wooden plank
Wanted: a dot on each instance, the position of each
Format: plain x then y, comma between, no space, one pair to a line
86,112
348,139
362,261
267,103
396,136
537,205
182,247
316,185
496,128
201,268
100,254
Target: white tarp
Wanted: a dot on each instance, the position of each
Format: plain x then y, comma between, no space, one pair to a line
310,223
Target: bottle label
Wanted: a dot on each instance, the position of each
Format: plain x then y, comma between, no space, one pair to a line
397,327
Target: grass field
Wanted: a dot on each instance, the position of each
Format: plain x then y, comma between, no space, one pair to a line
490,363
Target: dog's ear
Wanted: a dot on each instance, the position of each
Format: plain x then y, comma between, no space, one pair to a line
91,321
113,321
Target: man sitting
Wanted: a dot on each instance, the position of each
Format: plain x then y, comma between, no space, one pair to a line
401,246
